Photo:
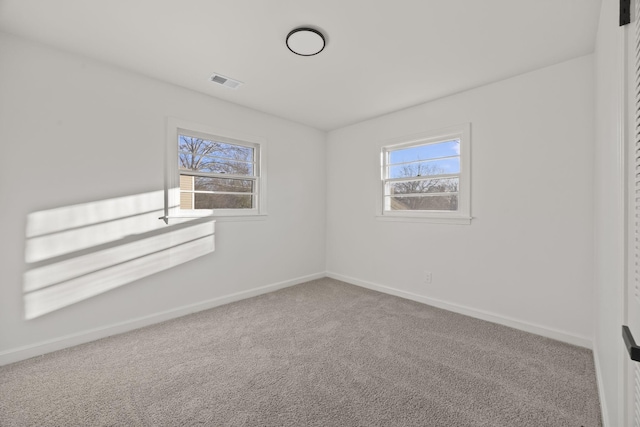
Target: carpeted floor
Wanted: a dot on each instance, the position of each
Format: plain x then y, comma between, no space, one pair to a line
323,353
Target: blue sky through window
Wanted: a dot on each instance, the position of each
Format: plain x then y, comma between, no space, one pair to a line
425,152
425,160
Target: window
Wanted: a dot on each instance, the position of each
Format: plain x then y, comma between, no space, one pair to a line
213,172
427,176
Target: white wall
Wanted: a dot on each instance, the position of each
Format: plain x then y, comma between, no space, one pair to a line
74,130
527,257
608,208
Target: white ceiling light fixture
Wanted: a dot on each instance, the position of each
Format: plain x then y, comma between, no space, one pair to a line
305,41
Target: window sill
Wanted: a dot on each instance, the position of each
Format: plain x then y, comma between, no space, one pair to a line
464,220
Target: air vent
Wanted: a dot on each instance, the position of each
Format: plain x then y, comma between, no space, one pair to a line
225,81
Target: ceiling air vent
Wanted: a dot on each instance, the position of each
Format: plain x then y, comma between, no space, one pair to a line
225,81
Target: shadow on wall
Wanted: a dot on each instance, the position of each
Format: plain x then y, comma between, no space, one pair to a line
77,252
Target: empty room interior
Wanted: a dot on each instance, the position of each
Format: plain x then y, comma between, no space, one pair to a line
336,213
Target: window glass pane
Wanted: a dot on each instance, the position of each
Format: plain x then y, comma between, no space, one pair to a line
222,184
222,201
434,167
235,152
213,165
423,203
442,185
202,147
213,156
424,152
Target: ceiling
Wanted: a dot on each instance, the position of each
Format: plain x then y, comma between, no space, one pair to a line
381,55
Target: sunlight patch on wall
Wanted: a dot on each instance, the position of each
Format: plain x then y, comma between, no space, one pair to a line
64,230
119,241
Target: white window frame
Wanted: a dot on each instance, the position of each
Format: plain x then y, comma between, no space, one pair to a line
177,127
460,216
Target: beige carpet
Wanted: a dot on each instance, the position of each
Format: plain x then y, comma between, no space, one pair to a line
323,353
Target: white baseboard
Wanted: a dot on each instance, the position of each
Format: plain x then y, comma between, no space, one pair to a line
22,353
603,402
26,352
480,314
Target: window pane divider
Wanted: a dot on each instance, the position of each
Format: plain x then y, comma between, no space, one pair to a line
422,177
453,193
216,175
408,212
216,157
218,192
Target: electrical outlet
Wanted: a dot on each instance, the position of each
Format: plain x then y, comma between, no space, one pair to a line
427,277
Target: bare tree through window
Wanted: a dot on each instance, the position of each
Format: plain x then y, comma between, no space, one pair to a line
433,193
214,174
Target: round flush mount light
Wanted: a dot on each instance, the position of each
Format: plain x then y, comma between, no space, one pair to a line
305,41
